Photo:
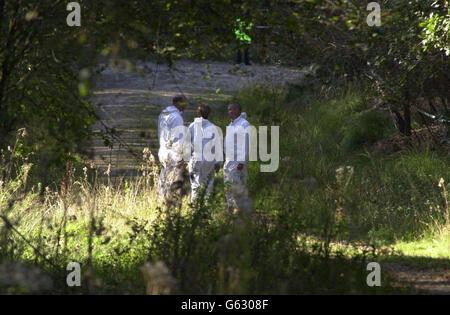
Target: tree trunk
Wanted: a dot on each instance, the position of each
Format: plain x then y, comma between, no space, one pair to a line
407,118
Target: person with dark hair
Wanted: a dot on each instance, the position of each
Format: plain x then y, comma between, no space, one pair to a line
171,148
201,166
203,111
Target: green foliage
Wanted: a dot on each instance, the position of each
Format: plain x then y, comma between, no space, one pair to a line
329,186
127,244
387,198
405,56
436,30
46,66
40,62
205,251
366,129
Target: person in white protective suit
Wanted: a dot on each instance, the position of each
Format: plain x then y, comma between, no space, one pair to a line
236,159
172,144
205,143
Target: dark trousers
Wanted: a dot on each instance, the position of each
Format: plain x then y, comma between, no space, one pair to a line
246,56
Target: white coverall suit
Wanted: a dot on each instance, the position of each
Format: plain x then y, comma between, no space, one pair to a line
201,166
236,180
171,146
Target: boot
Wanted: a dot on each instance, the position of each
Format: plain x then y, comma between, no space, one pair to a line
239,57
246,57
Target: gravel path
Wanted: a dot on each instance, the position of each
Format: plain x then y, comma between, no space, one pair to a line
423,280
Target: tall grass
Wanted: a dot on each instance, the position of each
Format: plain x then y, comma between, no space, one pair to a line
127,243
387,197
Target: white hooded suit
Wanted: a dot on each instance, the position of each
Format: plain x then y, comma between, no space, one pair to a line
201,165
171,145
236,180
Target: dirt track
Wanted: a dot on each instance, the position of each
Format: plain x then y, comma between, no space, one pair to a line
424,280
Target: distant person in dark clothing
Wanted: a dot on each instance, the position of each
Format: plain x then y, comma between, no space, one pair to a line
244,40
